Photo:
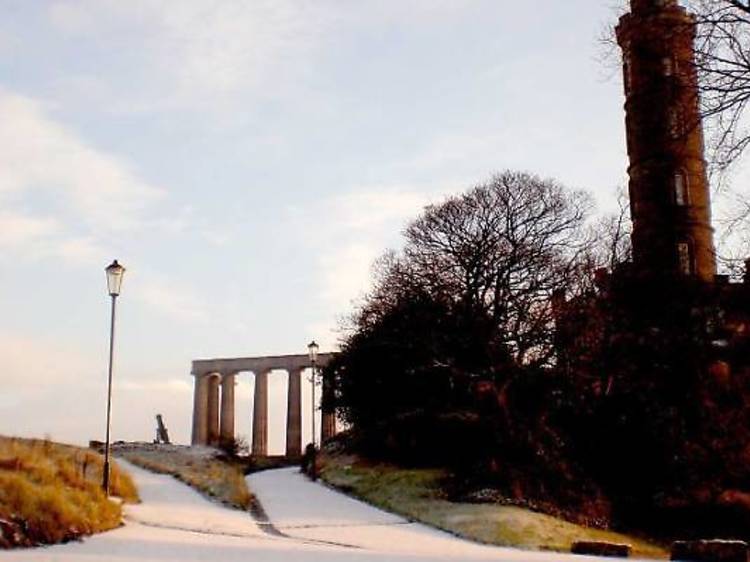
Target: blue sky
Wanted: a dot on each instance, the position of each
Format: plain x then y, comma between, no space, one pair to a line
246,161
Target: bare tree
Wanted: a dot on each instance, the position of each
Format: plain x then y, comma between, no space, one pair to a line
611,236
723,64
498,252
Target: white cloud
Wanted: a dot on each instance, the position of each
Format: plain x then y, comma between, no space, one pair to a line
164,387
345,271
69,17
359,227
371,208
49,380
219,56
326,334
41,157
170,298
17,229
59,196
235,44
30,363
197,51
81,250
461,149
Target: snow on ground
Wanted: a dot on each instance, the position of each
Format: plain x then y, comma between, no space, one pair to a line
300,508
171,504
176,524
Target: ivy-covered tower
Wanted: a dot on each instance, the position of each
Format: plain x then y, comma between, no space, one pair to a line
669,195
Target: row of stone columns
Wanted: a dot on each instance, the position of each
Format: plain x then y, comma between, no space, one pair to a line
213,412
213,420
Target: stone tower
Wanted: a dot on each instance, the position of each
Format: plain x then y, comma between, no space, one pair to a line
669,196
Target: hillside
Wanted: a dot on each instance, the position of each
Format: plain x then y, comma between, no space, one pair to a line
419,495
202,468
51,493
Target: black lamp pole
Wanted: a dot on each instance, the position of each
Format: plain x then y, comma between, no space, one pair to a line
313,351
114,282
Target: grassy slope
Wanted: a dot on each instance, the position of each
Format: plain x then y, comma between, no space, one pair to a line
211,476
416,494
51,492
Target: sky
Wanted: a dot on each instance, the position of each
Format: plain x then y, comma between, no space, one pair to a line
246,161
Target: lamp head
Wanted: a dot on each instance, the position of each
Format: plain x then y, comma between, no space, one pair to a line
312,349
114,278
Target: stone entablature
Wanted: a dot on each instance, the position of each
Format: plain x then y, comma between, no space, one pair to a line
257,364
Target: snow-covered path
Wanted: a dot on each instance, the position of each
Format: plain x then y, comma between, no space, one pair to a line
312,511
316,524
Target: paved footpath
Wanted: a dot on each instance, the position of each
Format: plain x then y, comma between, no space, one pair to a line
307,522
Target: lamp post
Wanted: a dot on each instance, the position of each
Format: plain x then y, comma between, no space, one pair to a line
114,281
312,349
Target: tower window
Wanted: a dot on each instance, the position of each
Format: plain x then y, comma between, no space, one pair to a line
667,66
626,76
675,124
680,189
684,258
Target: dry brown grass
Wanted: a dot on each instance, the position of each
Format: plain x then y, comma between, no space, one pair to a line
214,477
51,492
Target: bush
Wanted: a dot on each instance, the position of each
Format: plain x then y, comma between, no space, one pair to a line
235,448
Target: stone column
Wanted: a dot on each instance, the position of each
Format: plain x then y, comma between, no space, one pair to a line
214,381
294,414
328,415
260,415
200,409
226,430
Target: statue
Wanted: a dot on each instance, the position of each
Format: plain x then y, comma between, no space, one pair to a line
162,435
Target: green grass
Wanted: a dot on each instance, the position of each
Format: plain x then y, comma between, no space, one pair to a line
51,493
211,476
417,494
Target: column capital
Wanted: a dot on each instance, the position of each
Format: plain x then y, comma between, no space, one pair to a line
201,374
